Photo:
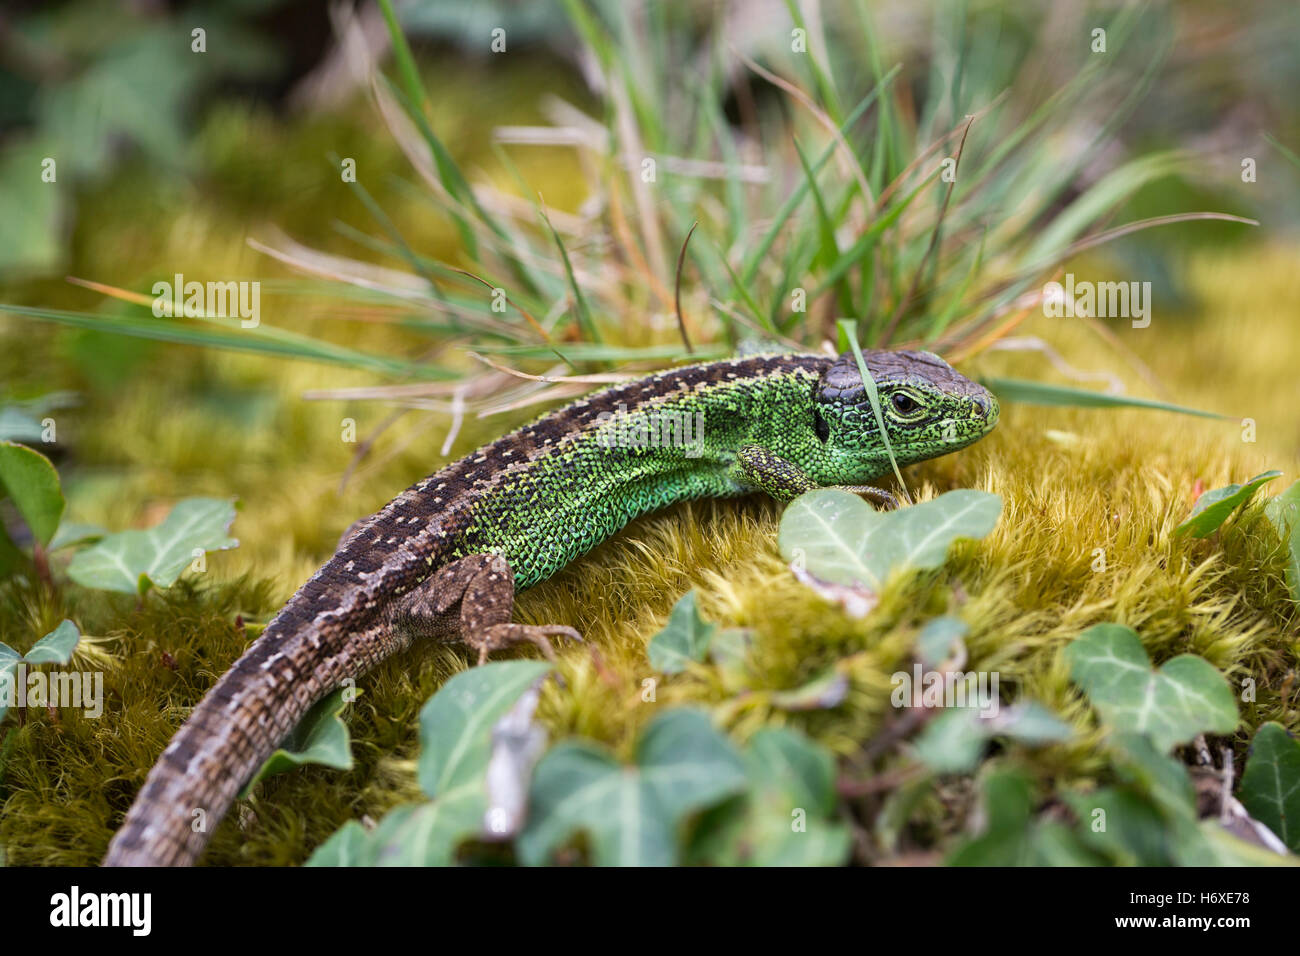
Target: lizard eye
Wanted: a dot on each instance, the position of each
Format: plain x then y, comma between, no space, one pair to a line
904,403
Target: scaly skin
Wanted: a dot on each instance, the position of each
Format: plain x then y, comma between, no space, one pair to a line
518,510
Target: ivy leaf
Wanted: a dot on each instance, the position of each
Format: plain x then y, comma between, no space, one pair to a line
1161,778
841,539
133,561
940,640
631,813
954,741
729,650
1283,512
1185,697
55,647
787,815
1270,787
31,481
1010,836
321,737
1123,826
1164,783
792,802
349,845
686,638
1215,506
456,728
72,533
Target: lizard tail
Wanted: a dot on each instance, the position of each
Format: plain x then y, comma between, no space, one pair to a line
232,732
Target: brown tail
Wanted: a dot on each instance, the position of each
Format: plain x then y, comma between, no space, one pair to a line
231,733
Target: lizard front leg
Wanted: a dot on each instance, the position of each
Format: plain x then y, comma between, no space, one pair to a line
784,480
484,587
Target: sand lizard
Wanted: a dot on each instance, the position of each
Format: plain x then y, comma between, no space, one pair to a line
443,559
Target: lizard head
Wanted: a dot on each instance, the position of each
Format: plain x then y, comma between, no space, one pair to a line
928,409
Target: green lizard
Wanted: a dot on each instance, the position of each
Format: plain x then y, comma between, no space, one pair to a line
443,559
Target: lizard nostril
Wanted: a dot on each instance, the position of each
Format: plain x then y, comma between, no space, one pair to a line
982,404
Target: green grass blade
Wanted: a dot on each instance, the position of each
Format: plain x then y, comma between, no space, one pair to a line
263,340
1041,393
849,330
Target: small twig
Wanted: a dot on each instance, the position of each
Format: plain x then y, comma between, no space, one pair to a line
677,292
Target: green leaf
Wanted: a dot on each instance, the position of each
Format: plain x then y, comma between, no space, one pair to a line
845,541
631,813
1010,836
132,561
898,808
348,846
456,724
1214,507
33,484
940,639
71,533
55,647
31,230
1270,787
954,741
1161,778
1005,839
1185,697
321,737
686,638
1041,393
1283,512
1123,826
791,803
455,748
